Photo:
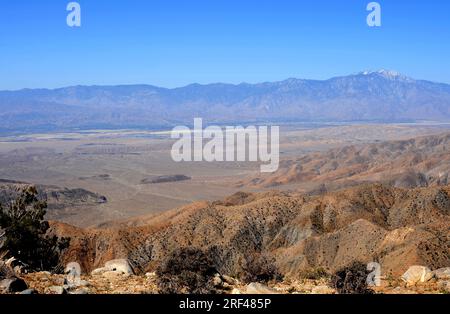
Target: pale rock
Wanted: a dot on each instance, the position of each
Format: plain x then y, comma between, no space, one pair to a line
236,291
322,290
227,286
417,274
99,271
12,285
442,273
257,288
217,281
83,283
119,265
57,290
230,280
445,286
81,291
18,270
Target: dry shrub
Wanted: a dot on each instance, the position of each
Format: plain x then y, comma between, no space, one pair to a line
259,267
352,279
314,274
186,271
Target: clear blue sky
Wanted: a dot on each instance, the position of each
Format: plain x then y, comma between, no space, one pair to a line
172,43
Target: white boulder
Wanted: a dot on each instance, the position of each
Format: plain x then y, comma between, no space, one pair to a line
119,265
417,274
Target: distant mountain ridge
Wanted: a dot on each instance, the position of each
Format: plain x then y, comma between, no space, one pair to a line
367,96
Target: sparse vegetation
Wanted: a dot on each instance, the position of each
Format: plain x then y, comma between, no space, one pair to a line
25,233
314,274
259,267
352,279
187,271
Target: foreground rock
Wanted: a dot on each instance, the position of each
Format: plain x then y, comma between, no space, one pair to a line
323,290
13,285
42,283
57,290
113,268
444,286
257,288
417,274
442,273
119,265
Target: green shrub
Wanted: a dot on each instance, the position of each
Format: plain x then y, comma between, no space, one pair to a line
25,233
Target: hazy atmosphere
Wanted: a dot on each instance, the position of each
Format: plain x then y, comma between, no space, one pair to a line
224,147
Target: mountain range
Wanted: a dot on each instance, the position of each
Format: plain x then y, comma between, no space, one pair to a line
384,96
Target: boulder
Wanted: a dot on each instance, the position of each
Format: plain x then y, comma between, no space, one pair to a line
442,273
236,291
227,286
29,291
57,290
229,280
119,265
81,291
14,284
217,281
417,274
258,288
99,271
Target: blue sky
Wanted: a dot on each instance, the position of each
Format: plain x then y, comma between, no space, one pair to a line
173,43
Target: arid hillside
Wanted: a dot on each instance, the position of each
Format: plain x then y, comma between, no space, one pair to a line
396,227
418,162
63,203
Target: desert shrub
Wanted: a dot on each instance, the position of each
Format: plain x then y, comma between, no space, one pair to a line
187,271
314,274
224,259
258,267
25,233
352,279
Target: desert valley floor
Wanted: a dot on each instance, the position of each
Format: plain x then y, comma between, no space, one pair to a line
110,174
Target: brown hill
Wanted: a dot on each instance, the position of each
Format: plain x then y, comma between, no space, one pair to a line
394,226
62,202
418,162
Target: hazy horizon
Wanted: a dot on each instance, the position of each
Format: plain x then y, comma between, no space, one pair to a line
403,75
175,43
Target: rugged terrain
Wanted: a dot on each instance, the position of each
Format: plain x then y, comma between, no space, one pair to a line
417,162
62,202
389,203
393,226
